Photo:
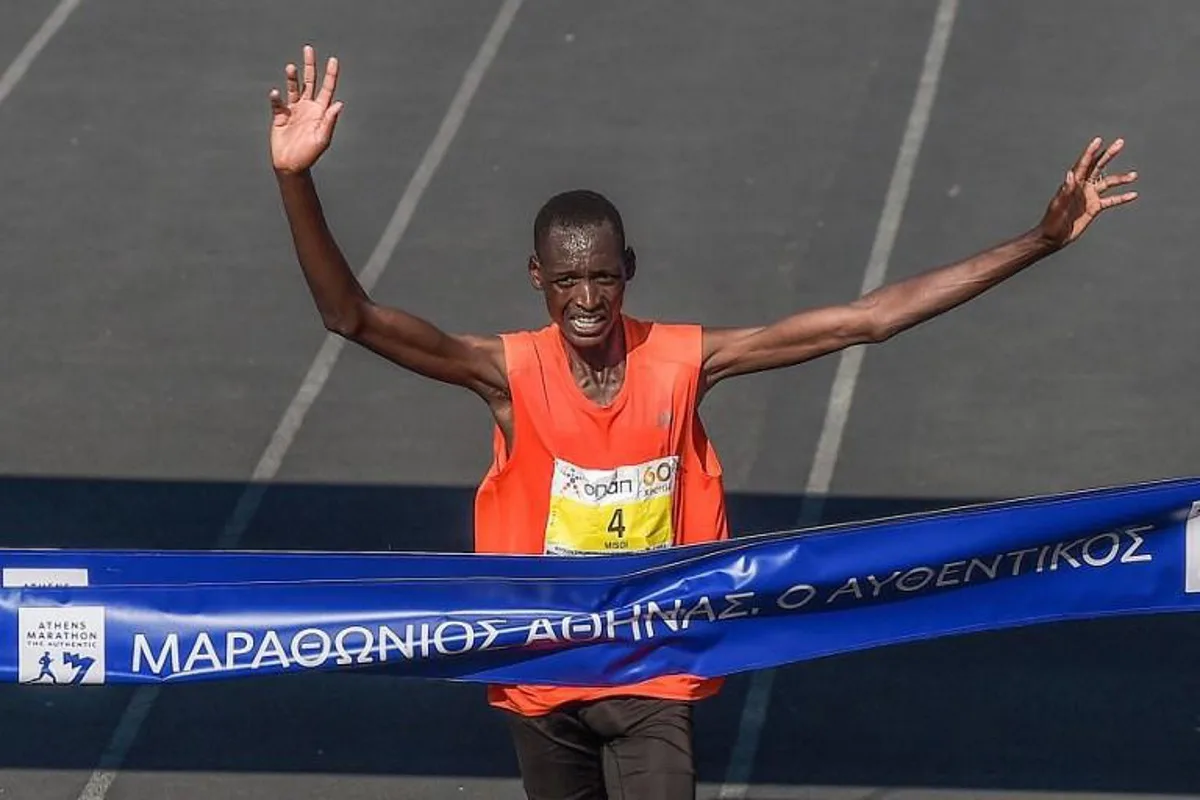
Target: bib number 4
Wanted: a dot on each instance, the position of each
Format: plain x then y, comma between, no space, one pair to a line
619,510
617,523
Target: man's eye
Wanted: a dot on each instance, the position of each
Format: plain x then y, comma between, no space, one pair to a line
564,283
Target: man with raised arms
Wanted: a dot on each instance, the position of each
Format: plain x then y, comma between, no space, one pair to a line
598,446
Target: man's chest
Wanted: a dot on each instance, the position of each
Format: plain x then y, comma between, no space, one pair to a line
614,478
626,507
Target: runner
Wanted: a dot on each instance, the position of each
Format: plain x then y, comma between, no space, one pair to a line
598,446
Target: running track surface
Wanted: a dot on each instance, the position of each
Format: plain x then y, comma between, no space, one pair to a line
156,328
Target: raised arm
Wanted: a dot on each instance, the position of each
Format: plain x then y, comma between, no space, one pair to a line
301,130
884,312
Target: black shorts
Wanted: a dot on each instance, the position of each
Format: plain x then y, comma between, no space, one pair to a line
618,748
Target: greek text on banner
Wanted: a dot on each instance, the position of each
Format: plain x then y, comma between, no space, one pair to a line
91,617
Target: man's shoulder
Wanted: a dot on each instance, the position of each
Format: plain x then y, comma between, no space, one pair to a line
526,336
663,341
663,329
522,346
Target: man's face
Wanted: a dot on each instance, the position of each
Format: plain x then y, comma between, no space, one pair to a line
582,273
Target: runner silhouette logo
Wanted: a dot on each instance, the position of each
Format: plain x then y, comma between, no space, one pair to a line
61,646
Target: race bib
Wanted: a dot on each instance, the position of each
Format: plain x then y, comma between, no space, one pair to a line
611,510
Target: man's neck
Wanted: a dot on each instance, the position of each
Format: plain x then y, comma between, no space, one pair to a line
599,371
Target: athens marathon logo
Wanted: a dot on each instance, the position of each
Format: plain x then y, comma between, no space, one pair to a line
61,645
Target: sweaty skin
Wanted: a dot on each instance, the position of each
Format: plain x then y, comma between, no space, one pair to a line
582,274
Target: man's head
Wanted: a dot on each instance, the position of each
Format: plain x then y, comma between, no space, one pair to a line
581,264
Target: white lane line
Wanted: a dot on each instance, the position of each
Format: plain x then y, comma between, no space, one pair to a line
322,365
144,697
758,696
118,745
20,65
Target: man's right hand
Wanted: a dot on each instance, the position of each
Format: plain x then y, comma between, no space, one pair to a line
302,127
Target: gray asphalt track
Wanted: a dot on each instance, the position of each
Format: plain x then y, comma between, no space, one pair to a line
156,328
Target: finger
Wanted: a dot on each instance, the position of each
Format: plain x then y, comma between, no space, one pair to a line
1117,180
279,112
293,83
1117,200
1110,153
310,72
329,120
329,84
1070,183
1083,167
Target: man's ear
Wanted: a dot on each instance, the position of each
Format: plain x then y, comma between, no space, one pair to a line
630,263
535,272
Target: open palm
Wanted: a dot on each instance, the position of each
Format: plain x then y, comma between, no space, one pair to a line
302,127
1080,198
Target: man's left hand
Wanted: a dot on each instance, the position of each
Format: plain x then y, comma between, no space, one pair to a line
1080,198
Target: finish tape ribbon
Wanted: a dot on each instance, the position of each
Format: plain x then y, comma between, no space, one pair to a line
73,617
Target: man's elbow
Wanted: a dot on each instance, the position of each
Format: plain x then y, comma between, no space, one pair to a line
345,323
351,315
872,324
881,331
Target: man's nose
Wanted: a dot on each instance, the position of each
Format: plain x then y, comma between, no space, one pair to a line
589,294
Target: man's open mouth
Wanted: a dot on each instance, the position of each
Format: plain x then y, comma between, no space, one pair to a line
587,324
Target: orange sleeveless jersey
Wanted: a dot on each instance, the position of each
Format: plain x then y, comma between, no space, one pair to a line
635,475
